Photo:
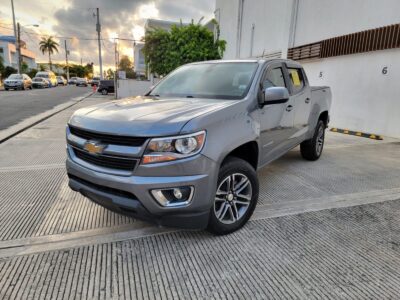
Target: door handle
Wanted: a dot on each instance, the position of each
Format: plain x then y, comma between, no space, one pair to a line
289,108
308,100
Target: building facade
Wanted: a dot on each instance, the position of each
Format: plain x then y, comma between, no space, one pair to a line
139,61
8,52
352,46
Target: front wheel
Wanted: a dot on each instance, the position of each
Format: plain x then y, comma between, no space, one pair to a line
104,92
236,197
312,149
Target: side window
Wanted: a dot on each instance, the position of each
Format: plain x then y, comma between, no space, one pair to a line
274,78
297,78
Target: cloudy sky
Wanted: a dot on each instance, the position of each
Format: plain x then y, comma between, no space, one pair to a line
74,20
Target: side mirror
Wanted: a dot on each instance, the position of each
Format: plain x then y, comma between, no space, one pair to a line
275,95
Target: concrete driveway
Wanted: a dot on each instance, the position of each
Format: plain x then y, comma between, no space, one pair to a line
326,229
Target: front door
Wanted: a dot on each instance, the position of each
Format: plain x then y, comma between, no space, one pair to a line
302,98
276,120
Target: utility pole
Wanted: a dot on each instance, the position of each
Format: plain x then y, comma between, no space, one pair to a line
15,33
98,29
66,58
18,46
116,69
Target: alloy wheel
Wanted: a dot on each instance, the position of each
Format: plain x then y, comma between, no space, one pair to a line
320,140
233,198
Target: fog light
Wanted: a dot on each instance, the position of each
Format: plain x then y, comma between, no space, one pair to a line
178,194
173,197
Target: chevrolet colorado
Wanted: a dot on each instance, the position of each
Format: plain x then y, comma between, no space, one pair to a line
186,154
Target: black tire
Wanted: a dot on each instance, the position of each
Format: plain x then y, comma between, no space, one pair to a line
104,92
241,170
312,149
6,89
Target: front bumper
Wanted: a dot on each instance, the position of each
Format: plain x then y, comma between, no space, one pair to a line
130,195
13,86
38,85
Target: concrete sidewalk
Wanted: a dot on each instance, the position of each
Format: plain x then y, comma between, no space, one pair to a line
327,229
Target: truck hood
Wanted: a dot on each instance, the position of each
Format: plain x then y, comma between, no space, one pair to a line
143,116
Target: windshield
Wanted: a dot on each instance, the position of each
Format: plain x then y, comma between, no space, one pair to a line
43,75
15,76
208,80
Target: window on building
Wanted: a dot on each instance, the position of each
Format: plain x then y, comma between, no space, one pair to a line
297,78
274,79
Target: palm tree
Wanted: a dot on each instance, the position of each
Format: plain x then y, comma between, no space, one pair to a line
48,45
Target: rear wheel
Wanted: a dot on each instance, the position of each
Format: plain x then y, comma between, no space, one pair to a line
236,197
312,149
104,92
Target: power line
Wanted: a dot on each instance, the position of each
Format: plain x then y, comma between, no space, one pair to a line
76,38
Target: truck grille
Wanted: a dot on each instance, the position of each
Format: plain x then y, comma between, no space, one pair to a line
106,161
107,138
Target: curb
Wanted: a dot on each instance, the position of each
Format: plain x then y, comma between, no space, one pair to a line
358,133
14,130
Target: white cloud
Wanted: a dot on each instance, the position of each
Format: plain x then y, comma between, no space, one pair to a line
148,11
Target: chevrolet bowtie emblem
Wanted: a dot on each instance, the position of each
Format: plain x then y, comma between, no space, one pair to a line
94,147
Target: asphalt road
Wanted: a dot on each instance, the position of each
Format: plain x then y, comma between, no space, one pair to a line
16,106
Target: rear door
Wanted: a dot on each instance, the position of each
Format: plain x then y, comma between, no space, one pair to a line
301,93
276,120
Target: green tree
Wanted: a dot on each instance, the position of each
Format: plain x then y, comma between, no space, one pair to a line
125,64
32,73
1,67
110,74
24,67
48,45
76,70
165,51
8,71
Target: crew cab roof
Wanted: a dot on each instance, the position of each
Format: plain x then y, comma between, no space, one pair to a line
289,62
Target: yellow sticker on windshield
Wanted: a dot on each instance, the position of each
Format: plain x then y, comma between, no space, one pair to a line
295,78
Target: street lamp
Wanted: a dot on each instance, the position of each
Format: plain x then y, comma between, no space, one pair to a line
18,44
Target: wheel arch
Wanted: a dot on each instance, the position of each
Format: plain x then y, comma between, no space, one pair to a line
248,152
324,116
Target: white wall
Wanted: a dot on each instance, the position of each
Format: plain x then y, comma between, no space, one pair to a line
271,19
130,87
364,99
226,14
321,19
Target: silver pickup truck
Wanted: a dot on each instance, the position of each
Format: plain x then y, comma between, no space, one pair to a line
186,154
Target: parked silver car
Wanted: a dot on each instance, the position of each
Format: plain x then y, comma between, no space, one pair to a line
186,154
81,82
18,82
39,83
61,80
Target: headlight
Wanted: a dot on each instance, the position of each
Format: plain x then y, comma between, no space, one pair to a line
173,148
